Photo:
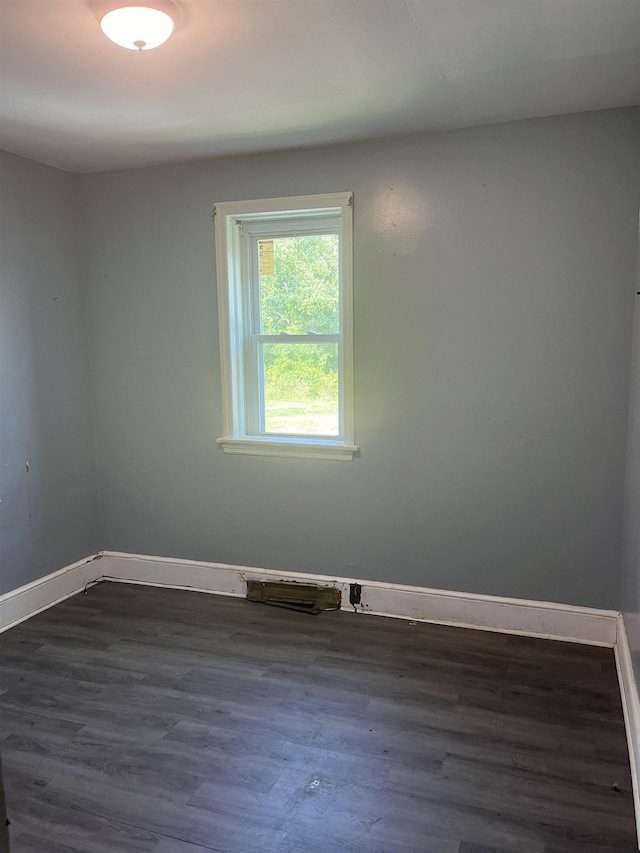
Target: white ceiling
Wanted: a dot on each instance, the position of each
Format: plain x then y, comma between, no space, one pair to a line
258,75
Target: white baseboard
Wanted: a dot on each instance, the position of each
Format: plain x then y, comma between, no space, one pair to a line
26,601
491,613
631,710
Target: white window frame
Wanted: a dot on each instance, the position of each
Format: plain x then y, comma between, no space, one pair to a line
237,224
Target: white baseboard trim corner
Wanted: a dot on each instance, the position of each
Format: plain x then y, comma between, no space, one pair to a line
490,613
631,711
39,595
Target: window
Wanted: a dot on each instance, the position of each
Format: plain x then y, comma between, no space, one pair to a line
284,269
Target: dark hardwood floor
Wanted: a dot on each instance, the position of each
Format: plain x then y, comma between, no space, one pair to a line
144,720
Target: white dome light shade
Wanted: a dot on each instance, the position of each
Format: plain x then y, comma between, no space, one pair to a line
137,27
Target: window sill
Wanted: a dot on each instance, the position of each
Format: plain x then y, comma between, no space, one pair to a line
330,450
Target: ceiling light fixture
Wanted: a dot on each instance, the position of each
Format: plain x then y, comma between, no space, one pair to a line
141,26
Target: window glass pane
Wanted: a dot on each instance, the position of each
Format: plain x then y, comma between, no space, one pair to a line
301,389
300,285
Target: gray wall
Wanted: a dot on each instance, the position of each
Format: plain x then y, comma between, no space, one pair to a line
494,278
48,516
631,550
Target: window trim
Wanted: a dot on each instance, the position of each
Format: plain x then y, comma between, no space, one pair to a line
232,299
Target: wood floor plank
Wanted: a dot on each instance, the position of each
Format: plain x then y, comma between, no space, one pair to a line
55,826
173,845
160,721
